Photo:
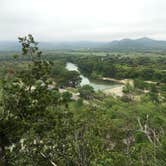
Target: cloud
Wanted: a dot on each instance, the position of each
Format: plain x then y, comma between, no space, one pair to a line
82,19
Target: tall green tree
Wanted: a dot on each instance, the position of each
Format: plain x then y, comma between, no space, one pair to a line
25,101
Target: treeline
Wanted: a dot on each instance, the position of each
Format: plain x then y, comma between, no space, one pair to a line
119,67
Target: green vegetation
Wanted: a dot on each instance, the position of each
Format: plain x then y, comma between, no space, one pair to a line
119,67
86,92
41,125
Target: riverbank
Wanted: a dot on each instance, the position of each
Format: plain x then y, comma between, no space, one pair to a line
97,84
107,85
117,91
124,81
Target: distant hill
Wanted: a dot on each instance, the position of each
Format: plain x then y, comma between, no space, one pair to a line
140,44
137,44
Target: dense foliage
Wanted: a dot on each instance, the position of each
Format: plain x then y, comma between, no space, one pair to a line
120,67
40,126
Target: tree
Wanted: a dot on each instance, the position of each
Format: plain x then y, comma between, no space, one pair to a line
86,92
66,97
72,79
28,113
63,77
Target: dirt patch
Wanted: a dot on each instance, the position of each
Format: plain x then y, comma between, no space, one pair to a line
117,91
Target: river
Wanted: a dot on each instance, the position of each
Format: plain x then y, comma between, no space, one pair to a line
97,85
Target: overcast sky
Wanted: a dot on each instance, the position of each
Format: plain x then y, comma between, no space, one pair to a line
72,20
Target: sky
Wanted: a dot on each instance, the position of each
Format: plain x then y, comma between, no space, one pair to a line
82,20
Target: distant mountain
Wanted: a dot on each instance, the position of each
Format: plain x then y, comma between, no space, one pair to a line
140,44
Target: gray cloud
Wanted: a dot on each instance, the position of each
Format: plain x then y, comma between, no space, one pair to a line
102,20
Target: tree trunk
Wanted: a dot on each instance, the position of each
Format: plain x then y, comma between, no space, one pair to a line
3,161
